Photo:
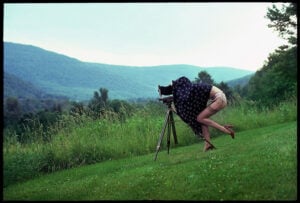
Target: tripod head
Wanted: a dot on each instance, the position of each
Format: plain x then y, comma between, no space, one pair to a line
166,100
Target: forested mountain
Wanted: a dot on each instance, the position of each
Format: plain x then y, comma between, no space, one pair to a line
54,73
16,87
240,81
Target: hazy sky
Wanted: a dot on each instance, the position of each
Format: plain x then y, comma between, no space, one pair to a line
146,34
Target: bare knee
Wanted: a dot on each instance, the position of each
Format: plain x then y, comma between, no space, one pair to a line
200,119
203,117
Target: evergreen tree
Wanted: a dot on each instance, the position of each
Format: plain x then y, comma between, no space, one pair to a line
284,21
104,95
98,104
277,79
204,76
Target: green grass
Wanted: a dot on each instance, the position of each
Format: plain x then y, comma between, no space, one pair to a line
259,164
79,140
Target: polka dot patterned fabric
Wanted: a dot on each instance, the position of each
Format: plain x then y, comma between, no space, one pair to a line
189,100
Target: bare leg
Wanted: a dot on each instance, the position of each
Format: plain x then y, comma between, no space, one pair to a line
205,133
203,117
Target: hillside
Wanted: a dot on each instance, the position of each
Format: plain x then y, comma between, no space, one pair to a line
231,172
16,87
240,81
58,74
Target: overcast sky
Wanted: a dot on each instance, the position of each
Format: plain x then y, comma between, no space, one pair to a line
146,34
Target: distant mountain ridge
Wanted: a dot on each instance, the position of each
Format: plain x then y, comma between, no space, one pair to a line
58,74
16,87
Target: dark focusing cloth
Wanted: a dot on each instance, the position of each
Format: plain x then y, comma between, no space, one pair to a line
189,100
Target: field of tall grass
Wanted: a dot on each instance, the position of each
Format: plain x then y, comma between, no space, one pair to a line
78,141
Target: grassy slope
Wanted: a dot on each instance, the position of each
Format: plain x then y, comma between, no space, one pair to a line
259,164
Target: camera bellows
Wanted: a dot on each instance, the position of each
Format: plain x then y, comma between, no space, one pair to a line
166,90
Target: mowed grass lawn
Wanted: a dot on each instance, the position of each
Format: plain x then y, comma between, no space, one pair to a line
259,164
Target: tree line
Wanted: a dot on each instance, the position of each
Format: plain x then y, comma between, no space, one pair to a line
277,79
42,119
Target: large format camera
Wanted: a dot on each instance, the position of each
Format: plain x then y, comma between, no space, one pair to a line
165,90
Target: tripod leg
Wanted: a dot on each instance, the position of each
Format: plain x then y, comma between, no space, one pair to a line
173,127
169,134
162,135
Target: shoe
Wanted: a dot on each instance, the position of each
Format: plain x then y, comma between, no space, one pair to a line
211,147
228,127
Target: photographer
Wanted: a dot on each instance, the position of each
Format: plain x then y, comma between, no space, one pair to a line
195,103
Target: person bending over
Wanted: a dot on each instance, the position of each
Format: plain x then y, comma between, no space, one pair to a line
195,103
